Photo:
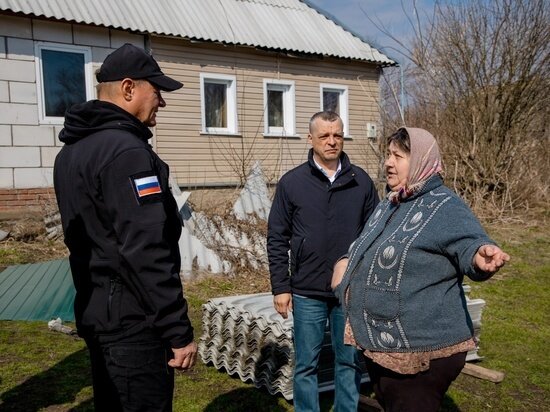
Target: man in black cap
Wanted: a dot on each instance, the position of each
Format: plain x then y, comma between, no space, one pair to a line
122,227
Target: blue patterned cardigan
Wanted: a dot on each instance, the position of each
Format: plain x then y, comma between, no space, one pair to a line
405,273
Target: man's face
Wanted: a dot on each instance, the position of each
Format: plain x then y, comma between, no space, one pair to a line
327,141
147,99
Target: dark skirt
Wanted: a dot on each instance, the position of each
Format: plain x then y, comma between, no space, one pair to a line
421,392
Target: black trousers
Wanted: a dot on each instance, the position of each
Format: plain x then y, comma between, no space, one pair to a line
132,374
421,392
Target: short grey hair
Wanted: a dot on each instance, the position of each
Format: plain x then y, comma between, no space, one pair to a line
326,115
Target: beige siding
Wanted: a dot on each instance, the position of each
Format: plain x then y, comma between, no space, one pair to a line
198,159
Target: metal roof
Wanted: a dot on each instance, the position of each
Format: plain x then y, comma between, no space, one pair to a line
289,25
38,291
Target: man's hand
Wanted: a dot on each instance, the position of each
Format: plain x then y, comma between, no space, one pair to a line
283,303
338,273
490,258
184,358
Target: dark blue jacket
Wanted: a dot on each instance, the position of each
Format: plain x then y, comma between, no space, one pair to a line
317,221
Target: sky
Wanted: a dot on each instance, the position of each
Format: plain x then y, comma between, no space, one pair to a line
389,12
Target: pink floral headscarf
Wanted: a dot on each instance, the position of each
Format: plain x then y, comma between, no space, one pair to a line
425,161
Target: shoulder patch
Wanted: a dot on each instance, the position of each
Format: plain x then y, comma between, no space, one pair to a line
146,187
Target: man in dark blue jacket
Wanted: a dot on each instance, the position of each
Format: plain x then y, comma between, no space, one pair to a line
122,227
319,209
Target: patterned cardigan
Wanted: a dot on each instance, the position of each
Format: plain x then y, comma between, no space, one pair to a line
405,272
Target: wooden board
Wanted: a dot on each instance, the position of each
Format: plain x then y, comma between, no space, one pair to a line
483,373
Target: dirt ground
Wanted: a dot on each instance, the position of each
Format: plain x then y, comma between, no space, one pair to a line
27,240
27,229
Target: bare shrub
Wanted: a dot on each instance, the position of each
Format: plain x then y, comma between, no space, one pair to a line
239,242
479,81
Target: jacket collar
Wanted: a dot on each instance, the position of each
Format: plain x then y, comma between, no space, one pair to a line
344,161
85,119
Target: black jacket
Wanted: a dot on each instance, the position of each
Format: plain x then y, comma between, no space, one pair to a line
317,221
121,226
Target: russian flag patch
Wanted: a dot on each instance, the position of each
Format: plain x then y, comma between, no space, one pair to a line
146,186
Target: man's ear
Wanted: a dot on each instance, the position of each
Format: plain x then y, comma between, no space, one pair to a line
309,138
127,87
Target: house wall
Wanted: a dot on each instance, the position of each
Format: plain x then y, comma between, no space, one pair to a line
28,148
200,159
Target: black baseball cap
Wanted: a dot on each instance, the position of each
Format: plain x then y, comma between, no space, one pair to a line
135,63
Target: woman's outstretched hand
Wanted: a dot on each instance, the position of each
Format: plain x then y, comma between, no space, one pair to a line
490,258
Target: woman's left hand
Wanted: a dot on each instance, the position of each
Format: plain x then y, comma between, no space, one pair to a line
338,273
490,258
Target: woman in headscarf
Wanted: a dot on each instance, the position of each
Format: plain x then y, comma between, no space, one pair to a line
402,279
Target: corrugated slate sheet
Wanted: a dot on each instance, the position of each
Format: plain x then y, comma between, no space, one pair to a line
38,291
289,25
245,336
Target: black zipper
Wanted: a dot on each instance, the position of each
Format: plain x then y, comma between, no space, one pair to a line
298,255
112,288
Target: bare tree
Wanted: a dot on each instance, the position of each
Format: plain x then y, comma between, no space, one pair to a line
479,80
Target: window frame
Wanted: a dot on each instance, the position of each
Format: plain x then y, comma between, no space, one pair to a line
231,95
40,83
343,102
289,108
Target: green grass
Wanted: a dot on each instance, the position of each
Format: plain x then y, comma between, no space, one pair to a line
43,370
515,328
40,368
12,256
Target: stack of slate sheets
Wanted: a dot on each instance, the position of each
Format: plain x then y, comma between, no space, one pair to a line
245,336
475,309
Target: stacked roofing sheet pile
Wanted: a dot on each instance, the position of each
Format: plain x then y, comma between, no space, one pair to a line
475,309
245,336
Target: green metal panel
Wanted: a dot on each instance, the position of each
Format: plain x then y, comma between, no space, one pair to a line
38,291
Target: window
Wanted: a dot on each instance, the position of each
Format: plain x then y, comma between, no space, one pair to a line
279,112
218,104
63,78
335,98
